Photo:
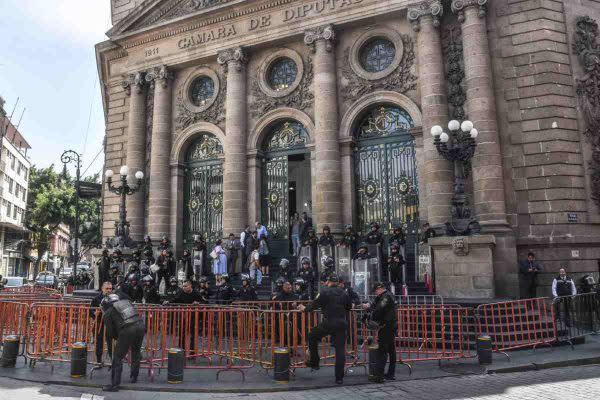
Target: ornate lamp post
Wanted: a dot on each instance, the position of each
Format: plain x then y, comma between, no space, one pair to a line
67,157
121,238
458,147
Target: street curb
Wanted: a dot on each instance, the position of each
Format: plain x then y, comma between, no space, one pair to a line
548,365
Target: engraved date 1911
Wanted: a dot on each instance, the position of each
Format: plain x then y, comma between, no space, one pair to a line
151,52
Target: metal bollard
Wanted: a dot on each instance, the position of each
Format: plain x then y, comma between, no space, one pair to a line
375,370
176,362
10,351
79,360
281,365
484,350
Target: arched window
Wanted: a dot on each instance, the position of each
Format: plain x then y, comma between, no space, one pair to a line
201,90
377,54
282,73
286,135
384,121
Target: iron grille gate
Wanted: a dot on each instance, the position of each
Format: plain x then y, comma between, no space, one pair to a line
204,202
276,197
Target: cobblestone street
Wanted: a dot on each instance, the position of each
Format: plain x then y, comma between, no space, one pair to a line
561,383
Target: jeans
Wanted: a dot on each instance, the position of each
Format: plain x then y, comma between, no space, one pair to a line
256,273
296,243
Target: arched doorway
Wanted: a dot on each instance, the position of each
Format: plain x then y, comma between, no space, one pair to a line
286,181
203,189
386,175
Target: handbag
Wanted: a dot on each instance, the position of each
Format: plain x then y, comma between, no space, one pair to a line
214,255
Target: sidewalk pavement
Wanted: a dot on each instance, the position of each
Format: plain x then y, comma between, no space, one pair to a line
258,380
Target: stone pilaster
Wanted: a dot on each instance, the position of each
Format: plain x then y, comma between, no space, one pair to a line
437,173
327,189
136,149
160,171
488,183
235,174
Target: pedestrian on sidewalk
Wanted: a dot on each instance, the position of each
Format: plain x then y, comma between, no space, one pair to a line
529,270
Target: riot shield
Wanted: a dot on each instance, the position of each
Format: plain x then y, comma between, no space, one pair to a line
343,262
375,251
424,267
197,257
180,274
305,251
365,274
324,251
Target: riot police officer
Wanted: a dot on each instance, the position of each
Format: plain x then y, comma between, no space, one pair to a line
284,270
395,261
334,303
165,244
286,293
328,268
383,312
362,253
300,290
150,291
136,256
113,274
162,261
186,263
398,236
133,268
172,291
307,274
278,287
124,325
326,238
103,267
374,236
204,288
247,291
350,239
350,292
225,291
131,290
147,246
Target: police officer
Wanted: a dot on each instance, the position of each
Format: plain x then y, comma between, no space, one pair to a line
131,289
124,325
334,303
286,293
350,292
225,292
186,263
147,246
278,288
133,268
300,290
246,292
362,253
383,312
374,236
165,244
395,262
350,239
204,288
163,264
113,274
398,237
105,290
326,238
172,291
563,286
284,270
328,268
307,274
150,291
103,267
136,256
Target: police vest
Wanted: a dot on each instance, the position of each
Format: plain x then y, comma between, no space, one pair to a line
564,286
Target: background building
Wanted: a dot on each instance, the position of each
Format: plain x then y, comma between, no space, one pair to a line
14,186
240,111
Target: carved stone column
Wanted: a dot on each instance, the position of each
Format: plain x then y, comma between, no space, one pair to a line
235,173
488,184
328,186
136,149
160,171
437,173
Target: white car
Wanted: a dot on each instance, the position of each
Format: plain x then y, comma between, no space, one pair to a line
14,281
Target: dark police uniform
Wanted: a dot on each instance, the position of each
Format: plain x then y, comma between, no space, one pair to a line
383,311
334,303
172,292
225,293
123,324
247,293
151,295
133,292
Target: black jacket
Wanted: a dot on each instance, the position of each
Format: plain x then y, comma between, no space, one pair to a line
172,293
188,298
247,293
374,237
151,295
120,315
327,240
334,303
383,309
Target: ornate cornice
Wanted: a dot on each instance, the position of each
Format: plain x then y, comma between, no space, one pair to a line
433,8
235,57
160,74
458,7
326,33
135,80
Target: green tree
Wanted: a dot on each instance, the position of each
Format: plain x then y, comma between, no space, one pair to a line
51,201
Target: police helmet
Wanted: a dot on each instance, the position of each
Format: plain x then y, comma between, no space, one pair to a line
395,246
202,279
115,267
327,261
363,246
173,281
374,225
333,278
145,270
133,278
326,228
305,260
133,266
147,280
284,263
348,227
245,277
108,301
300,282
280,281
225,277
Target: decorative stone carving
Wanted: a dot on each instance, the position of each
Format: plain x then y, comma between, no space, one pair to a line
458,7
432,7
460,246
326,33
301,98
402,80
177,8
160,74
235,57
209,147
455,71
137,80
587,47
214,114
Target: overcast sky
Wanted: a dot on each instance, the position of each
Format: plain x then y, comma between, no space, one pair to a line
47,60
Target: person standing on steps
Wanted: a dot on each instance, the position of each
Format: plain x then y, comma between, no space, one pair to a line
529,270
334,304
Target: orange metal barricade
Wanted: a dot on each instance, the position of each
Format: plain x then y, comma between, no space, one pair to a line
13,319
432,332
517,324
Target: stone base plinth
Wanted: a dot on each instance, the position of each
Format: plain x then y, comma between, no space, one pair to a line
463,266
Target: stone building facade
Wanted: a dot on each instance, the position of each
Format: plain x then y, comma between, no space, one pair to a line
240,111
